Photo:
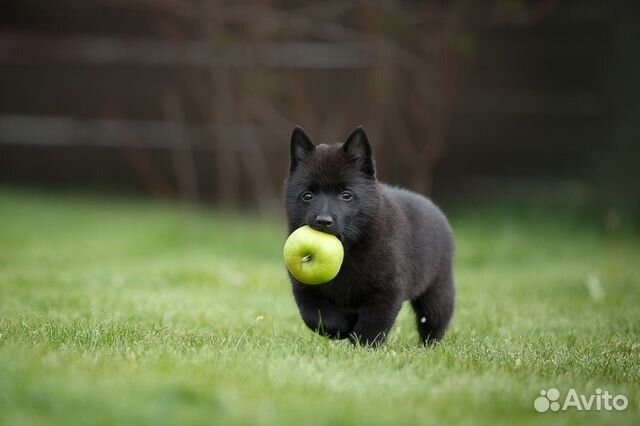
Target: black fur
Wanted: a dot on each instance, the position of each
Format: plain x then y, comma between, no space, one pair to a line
398,244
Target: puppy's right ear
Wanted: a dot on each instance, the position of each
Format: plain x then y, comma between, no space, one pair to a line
301,146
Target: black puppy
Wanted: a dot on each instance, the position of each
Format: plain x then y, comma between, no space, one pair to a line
398,244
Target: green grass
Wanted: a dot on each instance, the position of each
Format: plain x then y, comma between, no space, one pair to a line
133,313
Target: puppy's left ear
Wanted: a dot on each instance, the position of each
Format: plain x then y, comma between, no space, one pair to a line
358,148
301,146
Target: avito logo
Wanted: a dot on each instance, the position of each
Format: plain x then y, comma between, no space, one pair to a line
549,399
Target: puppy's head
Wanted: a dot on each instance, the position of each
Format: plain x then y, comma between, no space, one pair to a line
331,188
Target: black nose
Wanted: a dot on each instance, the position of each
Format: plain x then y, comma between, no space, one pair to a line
324,220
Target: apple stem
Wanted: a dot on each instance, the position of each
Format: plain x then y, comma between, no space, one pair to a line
306,258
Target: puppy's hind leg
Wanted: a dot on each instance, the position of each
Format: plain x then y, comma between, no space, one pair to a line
434,309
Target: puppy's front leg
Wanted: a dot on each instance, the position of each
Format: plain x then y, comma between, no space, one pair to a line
375,321
322,316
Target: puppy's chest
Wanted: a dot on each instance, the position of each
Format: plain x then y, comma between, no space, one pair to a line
357,283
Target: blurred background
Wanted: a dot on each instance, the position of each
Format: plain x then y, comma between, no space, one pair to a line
195,100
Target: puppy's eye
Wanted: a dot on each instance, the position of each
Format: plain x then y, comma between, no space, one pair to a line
346,196
307,196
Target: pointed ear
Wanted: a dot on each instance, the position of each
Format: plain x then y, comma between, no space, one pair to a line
301,146
357,147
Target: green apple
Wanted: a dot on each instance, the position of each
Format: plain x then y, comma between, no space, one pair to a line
313,257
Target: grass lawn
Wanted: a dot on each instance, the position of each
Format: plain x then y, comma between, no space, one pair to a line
134,313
